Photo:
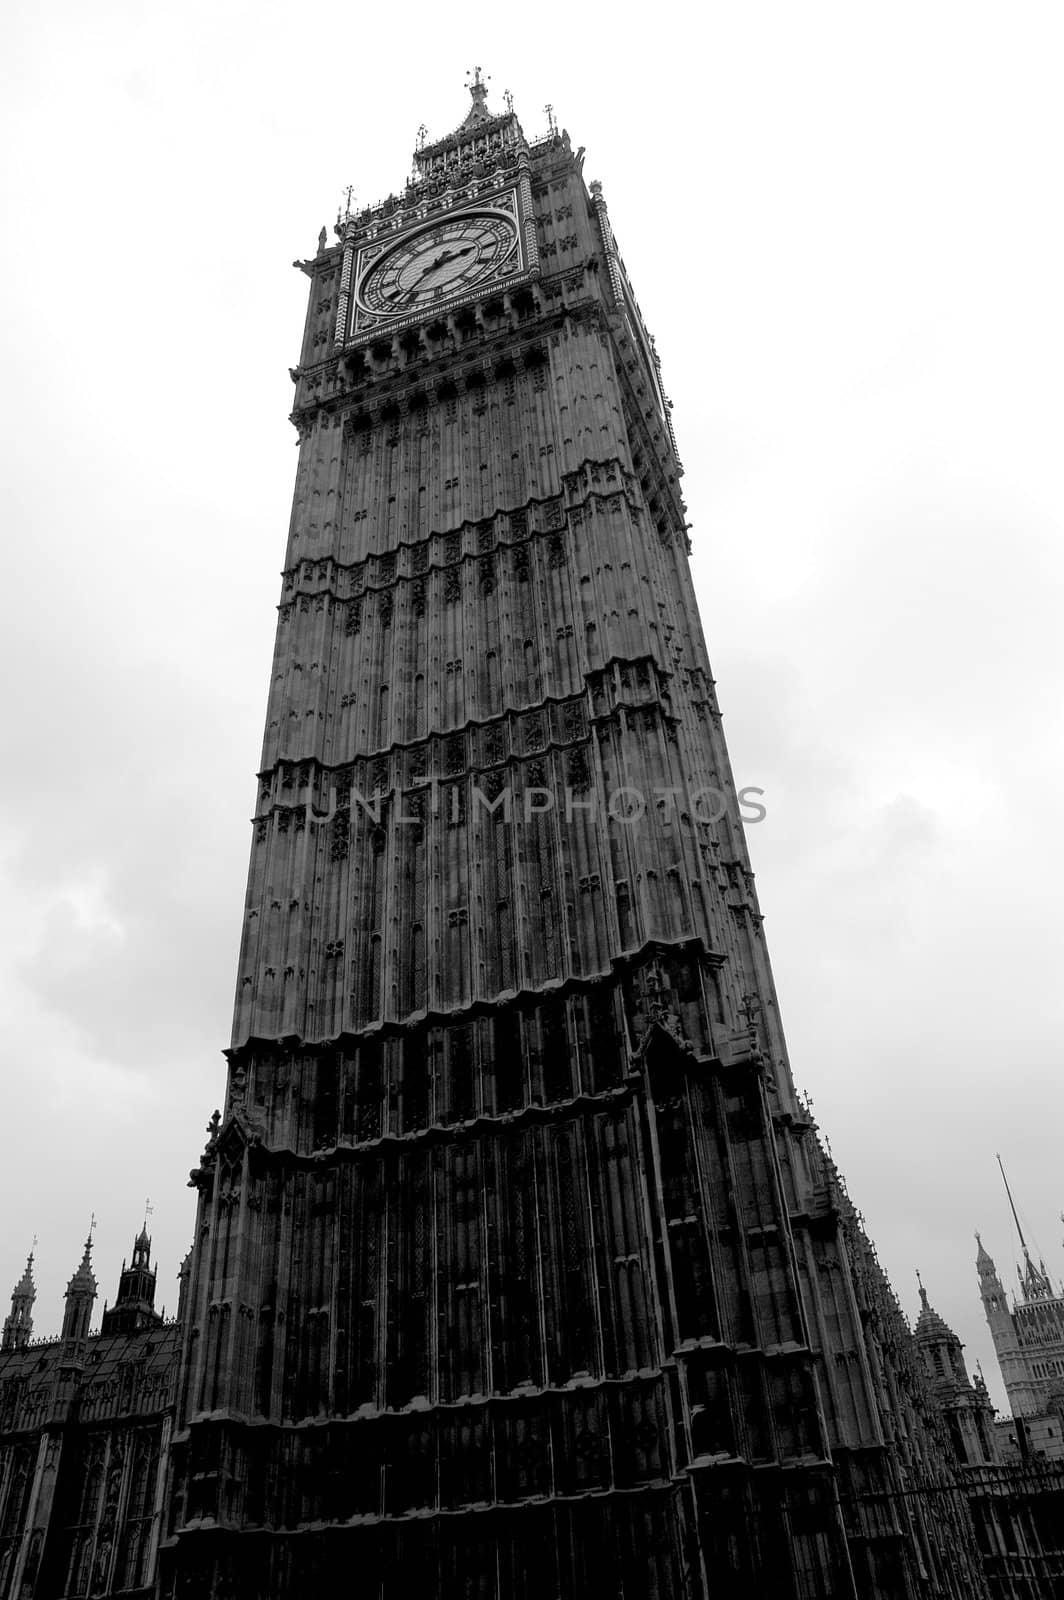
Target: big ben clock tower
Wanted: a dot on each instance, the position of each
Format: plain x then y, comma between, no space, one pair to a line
519,1271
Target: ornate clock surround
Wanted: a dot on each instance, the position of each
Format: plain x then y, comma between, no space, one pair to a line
509,204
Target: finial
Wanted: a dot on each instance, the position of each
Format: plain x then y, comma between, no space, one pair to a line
508,101
348,192
422,135
551,123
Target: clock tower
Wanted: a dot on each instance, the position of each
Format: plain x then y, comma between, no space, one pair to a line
520,1271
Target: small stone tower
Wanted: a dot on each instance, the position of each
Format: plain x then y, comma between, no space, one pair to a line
1003,1332
18,1327
965,1407
135,1307
80,1294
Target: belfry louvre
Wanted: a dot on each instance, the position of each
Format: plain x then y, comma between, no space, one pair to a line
520,1270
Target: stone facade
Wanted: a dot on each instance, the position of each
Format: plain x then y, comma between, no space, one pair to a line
1028,1337
1015,1495
519,1269
85,1422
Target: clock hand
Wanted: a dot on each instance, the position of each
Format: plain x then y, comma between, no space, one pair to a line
443,260
412,288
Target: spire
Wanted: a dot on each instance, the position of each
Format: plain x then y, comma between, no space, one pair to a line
142,1243
941,1349
84,1278
930,1327
991,1288
25,1285
1012,1203
1034,1281
478,111
134,1307
80,1294
18,1327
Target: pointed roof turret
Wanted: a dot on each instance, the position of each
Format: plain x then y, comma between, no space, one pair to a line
84,1279
991,1287
80,1294
134,1308
18,1326
25,1285
930,1327
142,1243
942,1350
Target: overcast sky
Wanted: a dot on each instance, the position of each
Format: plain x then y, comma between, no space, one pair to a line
843,222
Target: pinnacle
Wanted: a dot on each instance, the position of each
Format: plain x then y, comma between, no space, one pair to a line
25,1288
84,1279
983,1260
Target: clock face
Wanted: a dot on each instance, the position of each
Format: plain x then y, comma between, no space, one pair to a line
438,263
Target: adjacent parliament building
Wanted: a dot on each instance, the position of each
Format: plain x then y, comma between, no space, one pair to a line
520,1271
